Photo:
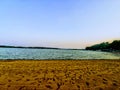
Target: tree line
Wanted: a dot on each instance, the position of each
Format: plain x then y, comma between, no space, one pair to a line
106,46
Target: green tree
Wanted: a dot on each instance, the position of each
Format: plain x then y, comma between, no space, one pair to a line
106,46
115,45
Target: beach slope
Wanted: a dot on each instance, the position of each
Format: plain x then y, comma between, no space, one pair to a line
60,75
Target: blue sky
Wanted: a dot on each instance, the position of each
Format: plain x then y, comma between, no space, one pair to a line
59,23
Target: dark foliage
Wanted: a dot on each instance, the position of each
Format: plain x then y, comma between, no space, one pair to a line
106,46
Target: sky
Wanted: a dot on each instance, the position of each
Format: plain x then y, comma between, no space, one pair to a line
59,23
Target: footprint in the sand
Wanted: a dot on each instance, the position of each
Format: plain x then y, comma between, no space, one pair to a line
87,83
115,84
49,86
105,81
27,79
9,80
22,87
34,76
36,79
27,88
99,88
18,79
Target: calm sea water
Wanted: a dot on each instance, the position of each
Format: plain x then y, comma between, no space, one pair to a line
18,53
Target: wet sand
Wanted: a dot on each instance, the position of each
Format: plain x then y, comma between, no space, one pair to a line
60,75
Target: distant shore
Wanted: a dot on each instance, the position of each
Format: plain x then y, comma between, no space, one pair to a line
60,74
5,46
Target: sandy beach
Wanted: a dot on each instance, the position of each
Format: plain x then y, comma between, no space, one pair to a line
60,75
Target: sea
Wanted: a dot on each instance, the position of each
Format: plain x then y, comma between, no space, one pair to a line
50,54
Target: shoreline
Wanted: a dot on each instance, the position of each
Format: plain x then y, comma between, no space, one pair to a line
59,60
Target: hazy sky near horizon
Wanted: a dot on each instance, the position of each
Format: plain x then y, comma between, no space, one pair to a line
59,23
